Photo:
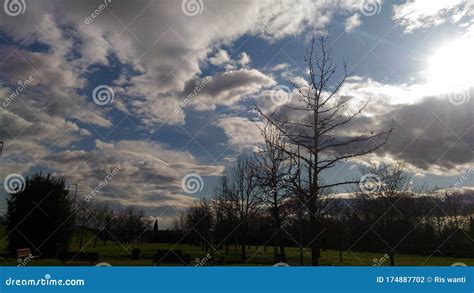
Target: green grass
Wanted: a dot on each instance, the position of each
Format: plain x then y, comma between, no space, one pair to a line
120,255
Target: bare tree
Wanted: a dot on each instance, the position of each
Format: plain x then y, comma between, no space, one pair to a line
243,195
316,124
102,217
274,172
223,213
199,223
382,193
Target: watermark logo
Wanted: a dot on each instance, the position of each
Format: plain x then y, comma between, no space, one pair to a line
459,95
14,7
192,183
22,85
110,175
103,264
459,264
103,95
380,261
96,12
281,264
197,89
203,261
23,262
192,7
281,94
14,183
370,183
464,177
371,7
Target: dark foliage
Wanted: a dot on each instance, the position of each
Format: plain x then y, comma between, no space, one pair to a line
40,217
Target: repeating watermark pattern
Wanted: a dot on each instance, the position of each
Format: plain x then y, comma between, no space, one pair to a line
192,183
22,262
22,85
459,95
281,94
380,261
459,264
14,7
464,177
14,183
281,264
109,177
192,7
203,261
103,95
371,7
96,12
197,89
370,183
103,264
292,172
272,16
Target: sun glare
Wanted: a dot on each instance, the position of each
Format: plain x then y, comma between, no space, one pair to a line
453,64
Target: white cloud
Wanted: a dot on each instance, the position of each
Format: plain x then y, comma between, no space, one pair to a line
352,22
417,14
241,132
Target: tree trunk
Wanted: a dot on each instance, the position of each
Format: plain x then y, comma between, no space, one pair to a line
243,252
315,249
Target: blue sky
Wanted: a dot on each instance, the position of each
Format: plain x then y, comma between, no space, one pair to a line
143,60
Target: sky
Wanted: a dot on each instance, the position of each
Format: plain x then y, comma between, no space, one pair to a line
144,103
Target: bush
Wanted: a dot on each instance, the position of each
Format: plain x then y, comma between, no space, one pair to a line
40,217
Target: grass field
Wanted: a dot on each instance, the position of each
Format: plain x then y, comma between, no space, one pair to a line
120,255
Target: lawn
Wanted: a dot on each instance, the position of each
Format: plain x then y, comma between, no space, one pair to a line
120,255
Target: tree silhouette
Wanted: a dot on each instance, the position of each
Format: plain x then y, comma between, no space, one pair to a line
315,127
40,217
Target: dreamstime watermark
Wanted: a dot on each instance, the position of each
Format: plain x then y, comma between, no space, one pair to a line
459,264
96,12
109,177
281,264
274,13
203,261
23,262
459,95
192,183
370,183
103,95
45,281
380,261
192,7
370,7
197,89
281,183
22,85
464,177
281,94
103,264
14,183
14,7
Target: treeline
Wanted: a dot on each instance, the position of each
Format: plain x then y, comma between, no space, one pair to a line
99,223
387,216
